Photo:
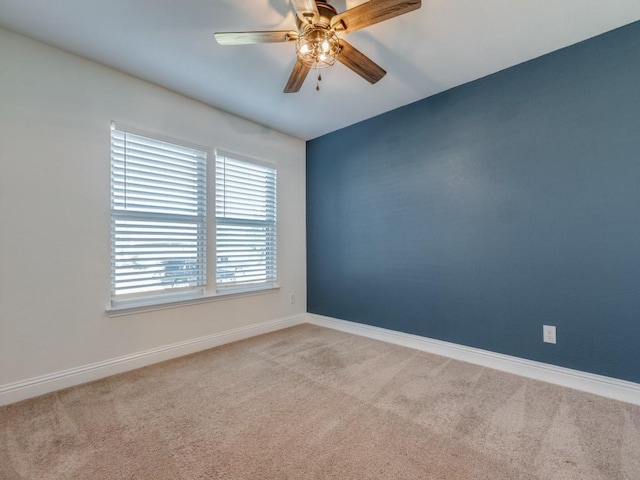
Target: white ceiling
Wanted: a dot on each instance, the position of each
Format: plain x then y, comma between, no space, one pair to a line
443,44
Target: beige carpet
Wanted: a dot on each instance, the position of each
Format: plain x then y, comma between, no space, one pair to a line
313,403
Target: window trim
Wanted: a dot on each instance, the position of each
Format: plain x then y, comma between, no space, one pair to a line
146,302
124,310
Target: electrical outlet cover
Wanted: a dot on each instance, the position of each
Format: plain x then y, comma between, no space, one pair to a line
549,333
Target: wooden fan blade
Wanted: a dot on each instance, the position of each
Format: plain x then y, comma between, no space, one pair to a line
306,10
360,63
245,38
371,12
296,79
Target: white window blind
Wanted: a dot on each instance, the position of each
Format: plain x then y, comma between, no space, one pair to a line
158,216
245,223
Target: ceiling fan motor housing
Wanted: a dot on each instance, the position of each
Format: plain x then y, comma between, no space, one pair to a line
326,12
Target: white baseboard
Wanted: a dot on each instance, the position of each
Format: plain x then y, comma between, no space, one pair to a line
33,387
566,377
587,382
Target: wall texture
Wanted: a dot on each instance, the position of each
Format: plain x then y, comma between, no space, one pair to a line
477,215
55,115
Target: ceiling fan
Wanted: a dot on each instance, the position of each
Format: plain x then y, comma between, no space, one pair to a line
317,42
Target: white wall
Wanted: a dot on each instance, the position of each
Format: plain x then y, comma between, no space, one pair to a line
55,114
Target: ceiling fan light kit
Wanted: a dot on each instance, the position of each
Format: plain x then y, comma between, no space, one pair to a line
317,42
318,47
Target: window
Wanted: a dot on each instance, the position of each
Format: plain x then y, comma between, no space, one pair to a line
158,218
245,223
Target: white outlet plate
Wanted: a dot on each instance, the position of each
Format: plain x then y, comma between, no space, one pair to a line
292,298
549,333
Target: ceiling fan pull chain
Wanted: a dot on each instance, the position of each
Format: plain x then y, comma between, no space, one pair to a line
318,84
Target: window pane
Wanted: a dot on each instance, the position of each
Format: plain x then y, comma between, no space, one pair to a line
154,255
153,176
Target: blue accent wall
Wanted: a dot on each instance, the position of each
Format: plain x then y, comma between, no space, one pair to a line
479,214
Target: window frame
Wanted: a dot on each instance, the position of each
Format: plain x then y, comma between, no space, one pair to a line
129,301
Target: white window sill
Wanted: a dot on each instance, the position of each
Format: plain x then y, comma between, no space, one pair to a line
163,304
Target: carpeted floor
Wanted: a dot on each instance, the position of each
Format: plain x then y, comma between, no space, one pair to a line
314,403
